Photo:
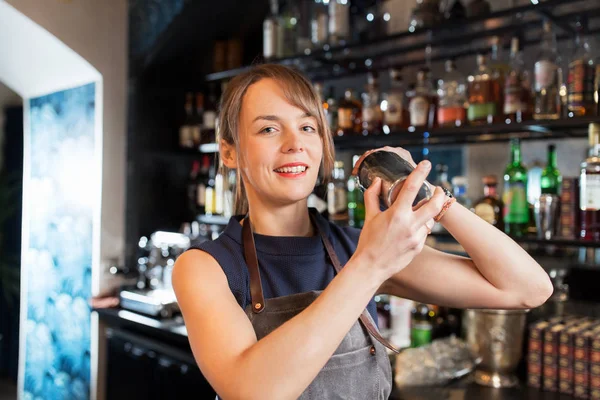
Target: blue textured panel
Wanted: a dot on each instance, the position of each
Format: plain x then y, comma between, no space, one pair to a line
148,19
60,199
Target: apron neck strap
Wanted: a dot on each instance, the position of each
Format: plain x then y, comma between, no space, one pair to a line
256,290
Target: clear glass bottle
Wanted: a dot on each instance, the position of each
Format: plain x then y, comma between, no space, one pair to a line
271,31
482,104
289,27
396,116
517,89
421,101
500,69
548,78
349,114
580,84
337,202
516,207
339,22
589,188
551,177
452,94
318,25
372,117
490,208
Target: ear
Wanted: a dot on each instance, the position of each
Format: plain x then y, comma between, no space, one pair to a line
228,154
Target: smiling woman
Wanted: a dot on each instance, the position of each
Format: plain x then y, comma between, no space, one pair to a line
280,306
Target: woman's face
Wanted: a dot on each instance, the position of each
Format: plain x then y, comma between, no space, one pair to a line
281,148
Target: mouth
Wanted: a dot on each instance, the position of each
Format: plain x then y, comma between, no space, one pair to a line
292,171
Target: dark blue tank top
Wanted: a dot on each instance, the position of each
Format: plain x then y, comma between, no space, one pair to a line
288,265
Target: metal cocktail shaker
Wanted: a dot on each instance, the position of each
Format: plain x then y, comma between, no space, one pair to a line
393,171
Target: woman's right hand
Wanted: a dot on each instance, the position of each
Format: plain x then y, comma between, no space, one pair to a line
390,239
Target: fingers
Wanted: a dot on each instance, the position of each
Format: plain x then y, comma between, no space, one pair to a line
371,197
429,225
412,185
431,208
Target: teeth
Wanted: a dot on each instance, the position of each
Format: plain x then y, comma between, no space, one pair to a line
293,170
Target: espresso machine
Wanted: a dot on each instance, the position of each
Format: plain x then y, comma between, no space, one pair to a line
152,294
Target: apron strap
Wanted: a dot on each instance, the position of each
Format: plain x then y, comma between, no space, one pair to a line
256,291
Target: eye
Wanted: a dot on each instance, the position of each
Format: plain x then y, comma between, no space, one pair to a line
268,129
308,128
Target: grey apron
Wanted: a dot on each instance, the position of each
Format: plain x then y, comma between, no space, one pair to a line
360,367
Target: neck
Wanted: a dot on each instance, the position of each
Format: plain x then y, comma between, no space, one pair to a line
289,220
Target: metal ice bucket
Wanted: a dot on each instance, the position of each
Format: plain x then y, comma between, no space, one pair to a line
497,336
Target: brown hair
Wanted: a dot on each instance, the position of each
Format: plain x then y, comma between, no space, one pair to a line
297,90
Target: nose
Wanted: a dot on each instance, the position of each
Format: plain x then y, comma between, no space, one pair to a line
292,142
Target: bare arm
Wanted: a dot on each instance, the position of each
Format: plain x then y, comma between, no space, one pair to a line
285,362
499,274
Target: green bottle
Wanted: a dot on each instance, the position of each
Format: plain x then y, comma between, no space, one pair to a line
551,177
516,208
356,202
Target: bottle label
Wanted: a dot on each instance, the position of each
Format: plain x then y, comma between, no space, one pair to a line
420,334
580,84
337,202
485,212
516,209
345,120
393,113
185,136
513,95
209,119
449,115
481,111
589,192
201,195
419,111
546,74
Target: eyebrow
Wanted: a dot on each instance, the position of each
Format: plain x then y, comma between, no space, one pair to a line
276,118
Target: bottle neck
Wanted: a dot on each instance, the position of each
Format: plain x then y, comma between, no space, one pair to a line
516,154
489,191
552,163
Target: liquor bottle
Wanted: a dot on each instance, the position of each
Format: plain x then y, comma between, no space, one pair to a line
441,178
516,206
400,321
199,120
210,116
421,329
482,105
548,78
210,206
395,116
332,110
318,26
589,188
337,202
490,207
597,89
372,117
426,13
192,189
500,69
456,12
421,101
339,22
356,205
185,130
580,84
382,304
478,7
203,181
271,32
452,97
349,115
219,193
289,29
517,89
551,177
